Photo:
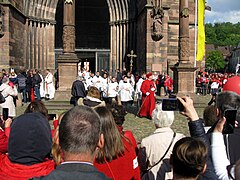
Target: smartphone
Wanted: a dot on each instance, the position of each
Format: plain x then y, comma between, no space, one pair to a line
5,113
2,124
52,116
230,115
172,104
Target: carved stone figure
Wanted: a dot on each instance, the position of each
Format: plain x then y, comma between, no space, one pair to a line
69,39
157,15
184,49
1,22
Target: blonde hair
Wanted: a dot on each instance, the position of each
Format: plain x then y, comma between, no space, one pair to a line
56,150
94,92
114,146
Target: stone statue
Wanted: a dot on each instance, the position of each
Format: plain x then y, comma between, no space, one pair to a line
1,22
157,15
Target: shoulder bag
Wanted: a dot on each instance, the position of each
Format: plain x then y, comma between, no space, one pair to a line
146,171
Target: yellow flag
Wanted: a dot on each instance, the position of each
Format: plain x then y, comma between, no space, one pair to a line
201,30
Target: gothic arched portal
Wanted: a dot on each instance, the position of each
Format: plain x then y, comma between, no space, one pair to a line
44,30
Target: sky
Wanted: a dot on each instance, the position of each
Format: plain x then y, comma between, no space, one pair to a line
223,11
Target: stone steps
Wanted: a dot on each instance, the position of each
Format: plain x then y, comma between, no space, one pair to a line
54,105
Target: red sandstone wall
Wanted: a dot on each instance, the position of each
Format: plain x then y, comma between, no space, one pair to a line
17,3
12,43
165,51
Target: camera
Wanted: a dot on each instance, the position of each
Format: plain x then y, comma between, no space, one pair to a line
172,104
230,115
5,113
52,116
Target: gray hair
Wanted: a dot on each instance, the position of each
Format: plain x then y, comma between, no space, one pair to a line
162,118
5,80
79,130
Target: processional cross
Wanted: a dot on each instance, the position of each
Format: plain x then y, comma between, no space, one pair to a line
132,55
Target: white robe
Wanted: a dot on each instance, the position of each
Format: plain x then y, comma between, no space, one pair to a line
104,87
138,86
125,91
8,92
49,86
97,82
42,91
112,89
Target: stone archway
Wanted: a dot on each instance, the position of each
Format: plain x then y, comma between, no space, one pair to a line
40,32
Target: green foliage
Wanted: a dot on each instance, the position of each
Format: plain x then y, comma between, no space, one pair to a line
223,34
215,61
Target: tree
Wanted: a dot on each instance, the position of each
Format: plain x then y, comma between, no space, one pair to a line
215,61
223,34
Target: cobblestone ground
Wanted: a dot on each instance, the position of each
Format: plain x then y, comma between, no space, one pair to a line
142,127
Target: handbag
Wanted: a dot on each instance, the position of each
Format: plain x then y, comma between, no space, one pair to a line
147,170
2,98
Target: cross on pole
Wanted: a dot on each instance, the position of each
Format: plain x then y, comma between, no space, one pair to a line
131,55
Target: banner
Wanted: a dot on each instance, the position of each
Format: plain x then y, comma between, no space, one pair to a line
201,30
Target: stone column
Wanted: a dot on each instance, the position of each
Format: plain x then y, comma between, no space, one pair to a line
184,70
67,62
120,45
111,47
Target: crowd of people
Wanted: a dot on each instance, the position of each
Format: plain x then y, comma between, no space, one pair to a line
211,83
89,140
30,84
123,88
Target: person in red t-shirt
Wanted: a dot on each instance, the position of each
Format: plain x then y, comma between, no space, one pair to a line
117,159
168,83
119,113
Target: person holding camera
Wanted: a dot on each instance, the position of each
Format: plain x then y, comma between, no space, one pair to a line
156,149
225,136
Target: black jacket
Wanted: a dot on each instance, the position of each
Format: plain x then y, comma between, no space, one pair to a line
78,89
36,80
76,171
196,129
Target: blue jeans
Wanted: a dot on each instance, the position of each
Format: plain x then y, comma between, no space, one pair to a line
24,93
37,92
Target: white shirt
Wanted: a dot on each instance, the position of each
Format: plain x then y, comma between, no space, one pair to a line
214,85
97,81
112,89
104,86
219,156
125,91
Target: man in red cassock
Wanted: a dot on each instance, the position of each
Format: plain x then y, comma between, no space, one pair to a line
148,88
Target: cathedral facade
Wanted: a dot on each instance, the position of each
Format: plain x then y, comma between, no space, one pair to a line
106,31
